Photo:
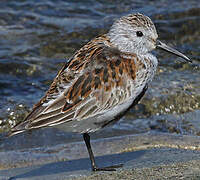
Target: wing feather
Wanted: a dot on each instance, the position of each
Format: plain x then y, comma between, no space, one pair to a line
96,79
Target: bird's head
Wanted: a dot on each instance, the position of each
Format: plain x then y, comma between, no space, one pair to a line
136,33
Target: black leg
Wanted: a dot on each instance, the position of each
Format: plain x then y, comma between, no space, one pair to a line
86,138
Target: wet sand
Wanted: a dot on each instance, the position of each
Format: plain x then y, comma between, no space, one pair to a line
145,156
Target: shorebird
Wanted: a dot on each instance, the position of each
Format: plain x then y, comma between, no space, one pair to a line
101,81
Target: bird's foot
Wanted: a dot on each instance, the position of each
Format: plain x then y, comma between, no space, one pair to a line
108,168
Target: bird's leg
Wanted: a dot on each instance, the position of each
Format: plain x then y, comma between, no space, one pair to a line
86,138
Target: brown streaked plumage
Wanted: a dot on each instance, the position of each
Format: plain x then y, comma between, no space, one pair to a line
92,77
101,81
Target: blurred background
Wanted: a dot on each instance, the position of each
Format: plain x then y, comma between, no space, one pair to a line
37,37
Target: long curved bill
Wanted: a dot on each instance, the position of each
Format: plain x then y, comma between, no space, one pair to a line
163,46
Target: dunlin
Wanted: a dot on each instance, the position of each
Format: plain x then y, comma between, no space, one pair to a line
101,81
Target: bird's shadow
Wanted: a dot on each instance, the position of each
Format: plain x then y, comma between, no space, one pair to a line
77,167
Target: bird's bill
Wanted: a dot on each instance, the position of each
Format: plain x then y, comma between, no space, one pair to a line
163,46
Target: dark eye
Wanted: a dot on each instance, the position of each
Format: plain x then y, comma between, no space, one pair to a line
139,33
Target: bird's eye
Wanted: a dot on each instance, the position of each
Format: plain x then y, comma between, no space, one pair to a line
139,33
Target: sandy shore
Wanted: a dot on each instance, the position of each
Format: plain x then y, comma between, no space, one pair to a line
145,156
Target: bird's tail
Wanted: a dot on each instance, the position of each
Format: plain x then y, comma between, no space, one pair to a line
18,128
15,130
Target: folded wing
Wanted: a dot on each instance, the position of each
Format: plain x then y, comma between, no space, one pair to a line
97,79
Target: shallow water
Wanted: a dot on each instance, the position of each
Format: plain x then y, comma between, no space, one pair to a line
36,37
